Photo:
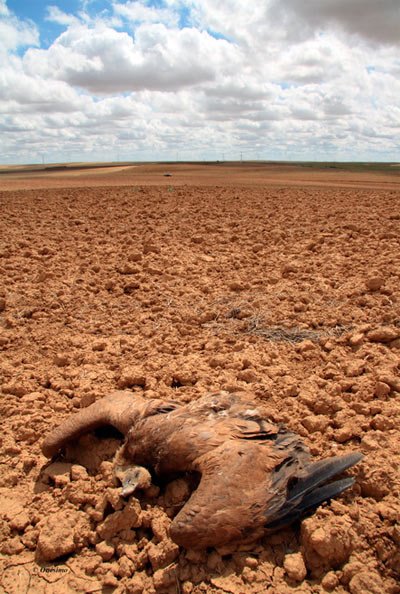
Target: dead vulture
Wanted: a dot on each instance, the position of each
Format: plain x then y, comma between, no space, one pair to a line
256,476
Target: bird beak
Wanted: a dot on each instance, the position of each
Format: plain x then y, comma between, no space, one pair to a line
128,487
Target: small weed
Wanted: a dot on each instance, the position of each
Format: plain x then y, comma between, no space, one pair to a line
293,335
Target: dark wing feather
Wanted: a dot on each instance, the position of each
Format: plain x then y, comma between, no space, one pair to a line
310,491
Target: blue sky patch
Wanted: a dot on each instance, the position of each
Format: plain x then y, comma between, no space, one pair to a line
38,12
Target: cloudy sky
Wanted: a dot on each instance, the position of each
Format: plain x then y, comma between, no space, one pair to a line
199,79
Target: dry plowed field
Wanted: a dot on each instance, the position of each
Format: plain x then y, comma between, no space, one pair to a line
173,288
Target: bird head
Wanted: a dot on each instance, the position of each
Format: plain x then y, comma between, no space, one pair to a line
132,477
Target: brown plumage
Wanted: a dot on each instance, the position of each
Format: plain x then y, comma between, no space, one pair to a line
255,475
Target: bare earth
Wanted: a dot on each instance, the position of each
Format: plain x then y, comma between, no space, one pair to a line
280,281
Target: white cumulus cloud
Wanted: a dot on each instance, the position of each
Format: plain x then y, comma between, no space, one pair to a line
103,60
199,78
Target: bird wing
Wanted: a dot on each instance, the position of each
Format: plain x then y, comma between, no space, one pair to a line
121,409
249,487
230,501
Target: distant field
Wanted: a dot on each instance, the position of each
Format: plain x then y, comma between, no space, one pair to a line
354,166
318,165
54,167
217,173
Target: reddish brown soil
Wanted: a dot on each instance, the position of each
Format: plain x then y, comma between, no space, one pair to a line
175,290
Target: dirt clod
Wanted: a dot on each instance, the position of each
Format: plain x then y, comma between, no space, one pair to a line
295,567
62,533
374,283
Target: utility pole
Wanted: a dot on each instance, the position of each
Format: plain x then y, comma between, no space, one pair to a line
241,157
